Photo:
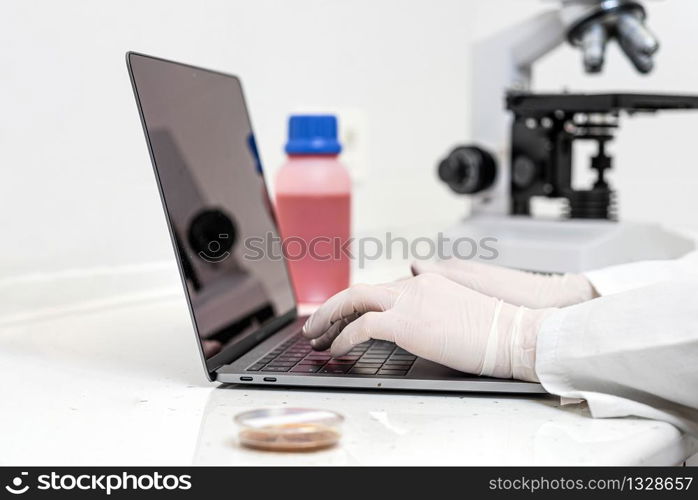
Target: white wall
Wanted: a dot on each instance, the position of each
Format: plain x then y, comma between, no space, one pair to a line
77,188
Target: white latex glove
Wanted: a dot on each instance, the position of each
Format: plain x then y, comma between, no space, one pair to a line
516,287
436,319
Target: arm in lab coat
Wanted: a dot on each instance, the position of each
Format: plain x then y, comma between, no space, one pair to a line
630,353
624,277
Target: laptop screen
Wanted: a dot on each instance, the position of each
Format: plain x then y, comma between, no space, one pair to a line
219,213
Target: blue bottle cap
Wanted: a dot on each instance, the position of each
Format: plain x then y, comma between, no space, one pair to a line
312,134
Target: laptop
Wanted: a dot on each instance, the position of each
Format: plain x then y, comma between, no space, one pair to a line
225,238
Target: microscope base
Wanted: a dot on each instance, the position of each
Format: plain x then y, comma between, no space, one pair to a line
558,246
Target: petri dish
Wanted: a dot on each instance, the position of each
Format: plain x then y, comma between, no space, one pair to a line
289,429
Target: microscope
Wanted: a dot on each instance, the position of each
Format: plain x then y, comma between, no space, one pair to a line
523,147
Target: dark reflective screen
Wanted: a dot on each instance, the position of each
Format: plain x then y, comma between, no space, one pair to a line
211,180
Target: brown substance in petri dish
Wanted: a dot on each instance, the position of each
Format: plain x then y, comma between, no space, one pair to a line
290,437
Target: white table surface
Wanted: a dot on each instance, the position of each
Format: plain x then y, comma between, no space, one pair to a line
120,383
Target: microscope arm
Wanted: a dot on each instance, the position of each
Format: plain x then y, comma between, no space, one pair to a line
502,62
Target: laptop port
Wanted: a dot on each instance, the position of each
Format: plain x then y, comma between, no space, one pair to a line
246,379
270,379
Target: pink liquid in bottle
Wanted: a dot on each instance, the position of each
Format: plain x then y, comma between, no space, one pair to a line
313,206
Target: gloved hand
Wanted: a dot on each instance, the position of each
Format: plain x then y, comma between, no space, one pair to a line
434,318
516,287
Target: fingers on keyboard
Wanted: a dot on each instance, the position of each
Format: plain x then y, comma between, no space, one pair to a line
370,358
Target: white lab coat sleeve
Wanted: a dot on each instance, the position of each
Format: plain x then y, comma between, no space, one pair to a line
624,277
631,353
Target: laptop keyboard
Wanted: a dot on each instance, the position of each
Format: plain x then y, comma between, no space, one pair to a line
375,357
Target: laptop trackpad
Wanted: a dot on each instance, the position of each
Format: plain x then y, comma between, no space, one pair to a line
424,369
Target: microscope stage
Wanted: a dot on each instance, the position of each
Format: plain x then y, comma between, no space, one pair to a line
528,104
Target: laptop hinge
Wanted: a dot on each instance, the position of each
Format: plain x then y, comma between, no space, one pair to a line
251,340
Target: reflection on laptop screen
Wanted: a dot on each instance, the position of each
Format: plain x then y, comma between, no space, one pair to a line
215,197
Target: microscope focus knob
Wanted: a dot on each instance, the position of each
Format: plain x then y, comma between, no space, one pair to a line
468,169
